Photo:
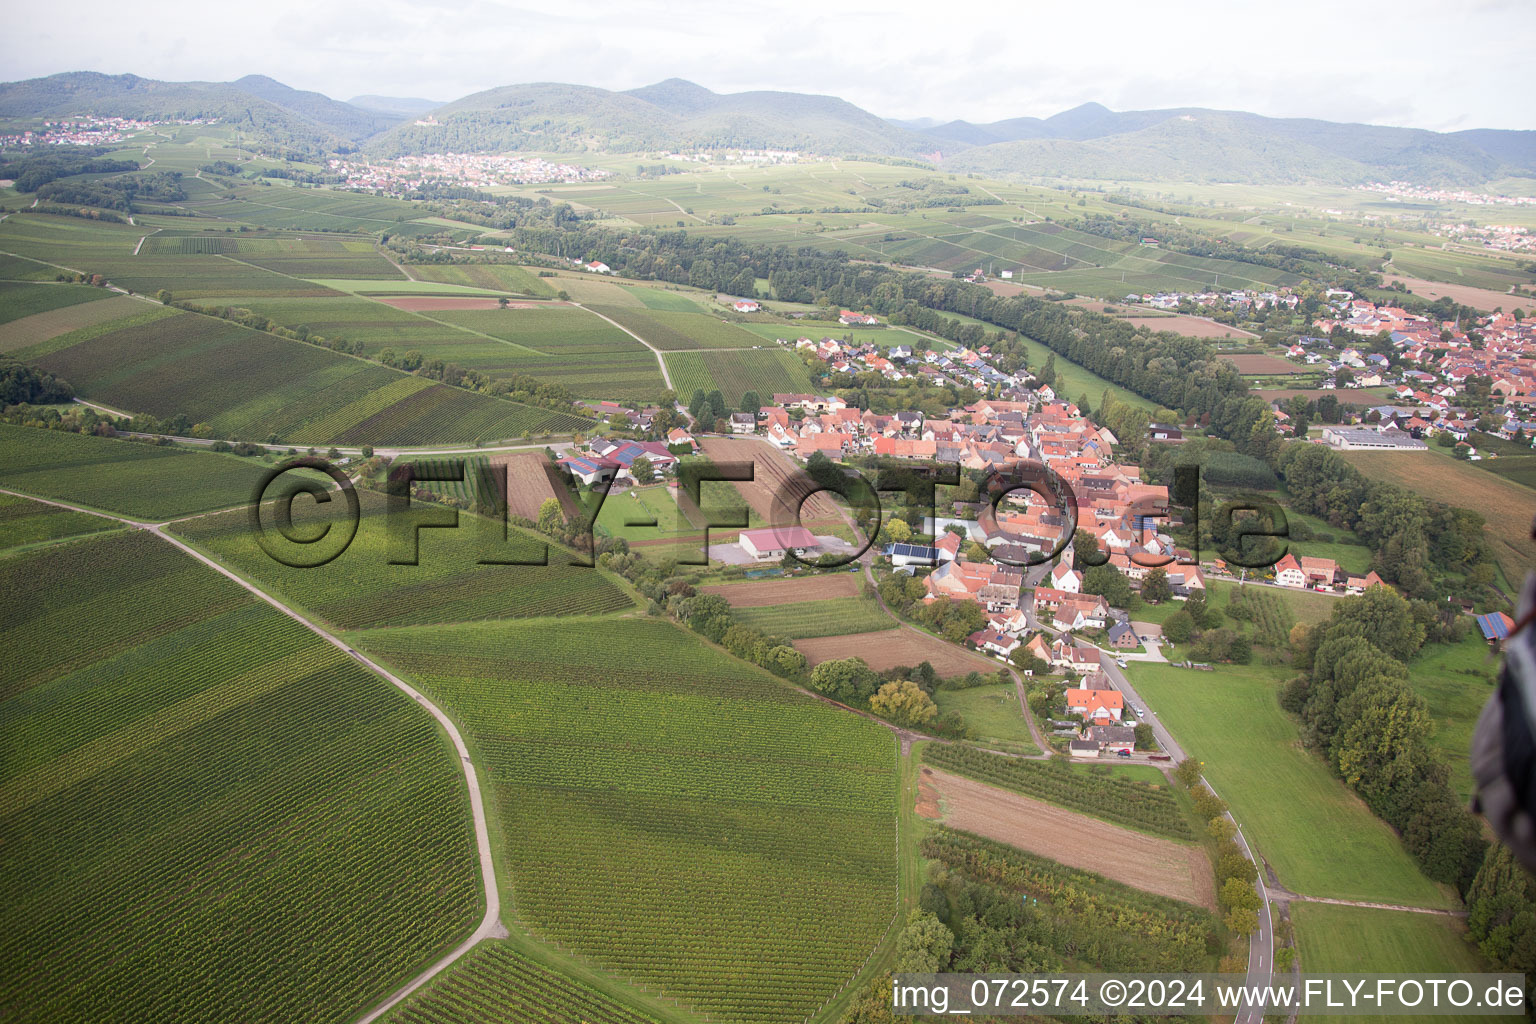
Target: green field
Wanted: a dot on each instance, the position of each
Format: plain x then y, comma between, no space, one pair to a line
24,522
130,478
668,814
1362,940
360,588
500,277
1455,682
991,713
734,373
1320,838
836,616
208,812
493,984
250,385
672,331
19,300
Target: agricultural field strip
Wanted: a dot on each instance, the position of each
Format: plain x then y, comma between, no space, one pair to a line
490,926
660,360
467,330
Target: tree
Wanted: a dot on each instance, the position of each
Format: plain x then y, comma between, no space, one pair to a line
1155,587
551,516
904,703
1188,772
750,402
717,404
1236,893
976,553
1178,627
844,679
501,303
1243,921
1144,738
924,945
1085,550
697,403
899,531
1107,582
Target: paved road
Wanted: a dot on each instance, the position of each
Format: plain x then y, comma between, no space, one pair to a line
490,925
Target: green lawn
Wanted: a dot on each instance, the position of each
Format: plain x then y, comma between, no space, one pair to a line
1334,939
992,712
1455,681
1320,838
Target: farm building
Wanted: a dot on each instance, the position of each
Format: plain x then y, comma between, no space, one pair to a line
775,541
1356,439
745,306
1112,738
1083,748
591,471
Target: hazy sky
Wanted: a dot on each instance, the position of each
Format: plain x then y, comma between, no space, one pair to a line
1438,65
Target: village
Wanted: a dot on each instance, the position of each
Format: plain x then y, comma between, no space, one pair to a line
470,170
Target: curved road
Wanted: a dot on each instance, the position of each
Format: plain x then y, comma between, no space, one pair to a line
490,925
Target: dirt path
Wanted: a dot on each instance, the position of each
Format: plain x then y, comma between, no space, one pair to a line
490,925
1180,871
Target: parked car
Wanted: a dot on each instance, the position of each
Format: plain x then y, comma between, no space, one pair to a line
1122,753
1120,662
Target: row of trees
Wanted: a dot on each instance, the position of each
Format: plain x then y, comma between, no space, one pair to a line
1359,710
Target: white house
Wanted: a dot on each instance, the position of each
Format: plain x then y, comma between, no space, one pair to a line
1066,578
1288,573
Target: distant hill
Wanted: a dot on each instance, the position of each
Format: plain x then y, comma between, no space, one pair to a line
400,106
344,119
673,114
1194,144
1087,142
288,116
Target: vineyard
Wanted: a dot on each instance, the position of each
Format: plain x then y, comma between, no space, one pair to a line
207,812
19,300
837,616
668,813
23,521
1097,923
558,343
130,478
249,385
765,371
495,276
493,984
1270,617
1129,802
671,330
361,588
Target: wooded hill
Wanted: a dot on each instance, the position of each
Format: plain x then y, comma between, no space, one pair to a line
1087,142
